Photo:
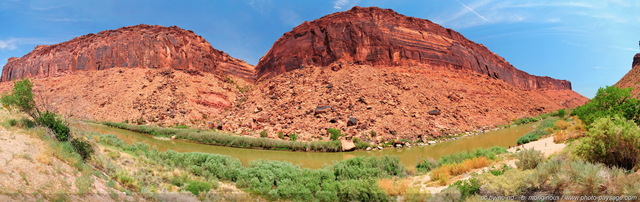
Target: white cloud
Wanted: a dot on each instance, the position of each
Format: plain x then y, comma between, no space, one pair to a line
341,4
8,44
13,43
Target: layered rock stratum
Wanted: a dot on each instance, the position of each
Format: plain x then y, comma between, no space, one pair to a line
382,37
140,46
632,78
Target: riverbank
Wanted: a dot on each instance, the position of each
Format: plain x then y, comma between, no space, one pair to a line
231,140
219,138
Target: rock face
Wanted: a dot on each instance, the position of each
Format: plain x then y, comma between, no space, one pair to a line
393,104
142,46
632,78
382,37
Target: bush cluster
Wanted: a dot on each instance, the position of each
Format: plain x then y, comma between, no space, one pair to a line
529,159
82,147
467,187
612,141
609,102
59,128
195,187
224,139
348,180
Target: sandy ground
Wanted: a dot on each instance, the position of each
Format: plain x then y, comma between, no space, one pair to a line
545,145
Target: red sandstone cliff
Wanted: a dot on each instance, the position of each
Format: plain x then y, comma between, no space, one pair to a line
632,78
382,37
143,46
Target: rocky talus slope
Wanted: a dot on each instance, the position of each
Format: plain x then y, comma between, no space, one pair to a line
632,78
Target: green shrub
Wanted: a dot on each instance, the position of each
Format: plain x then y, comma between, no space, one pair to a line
511,183
467,187
612,141
281,135
264,133
26,123
576,178
334,133
59,128
83,148
12,122
21,98
500,171
609,102
427,165
293,136
368,168
361,190
529,159
561,113
195,187
360,144
489,153
21,123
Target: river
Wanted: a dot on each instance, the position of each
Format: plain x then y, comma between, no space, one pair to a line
409,156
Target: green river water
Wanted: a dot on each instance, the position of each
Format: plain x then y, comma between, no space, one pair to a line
409,157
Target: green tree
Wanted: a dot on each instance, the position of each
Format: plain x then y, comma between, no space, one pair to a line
21,98
612,141
610,101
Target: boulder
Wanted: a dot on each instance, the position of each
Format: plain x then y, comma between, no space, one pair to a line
347,145
352,121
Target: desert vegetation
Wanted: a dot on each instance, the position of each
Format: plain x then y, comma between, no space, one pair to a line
348,180
601,159
230,140
21,99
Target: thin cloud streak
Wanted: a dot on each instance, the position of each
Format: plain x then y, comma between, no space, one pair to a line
473,11
341,4
13,43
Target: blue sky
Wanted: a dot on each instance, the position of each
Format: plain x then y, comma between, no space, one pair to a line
590,43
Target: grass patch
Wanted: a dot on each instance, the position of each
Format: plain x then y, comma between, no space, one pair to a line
443,173
394,186
224,139
544,128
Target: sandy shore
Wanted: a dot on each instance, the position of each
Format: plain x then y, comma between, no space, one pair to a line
545,145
